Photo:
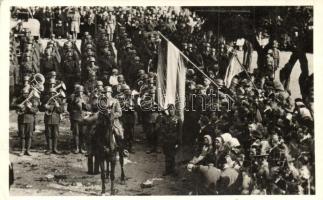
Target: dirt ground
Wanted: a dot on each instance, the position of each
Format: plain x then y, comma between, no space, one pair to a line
66,174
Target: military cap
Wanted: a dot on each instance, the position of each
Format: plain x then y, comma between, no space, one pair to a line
199,87
26,78
184,44
129,46
115,71
141,72
25,90
151,81
207,45
146,76
80,88
52,73
107,89
99,83
86,33
151,74
120,77
219,81
190,45
190,72
152,91
137,58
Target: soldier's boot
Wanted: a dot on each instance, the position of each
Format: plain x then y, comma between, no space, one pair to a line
76,141
28,147
22,143
96,166
55,151
90,164
49,146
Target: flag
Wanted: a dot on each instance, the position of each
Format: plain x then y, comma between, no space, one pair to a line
233,69
171,77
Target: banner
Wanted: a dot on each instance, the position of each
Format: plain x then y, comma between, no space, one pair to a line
233,69
171,77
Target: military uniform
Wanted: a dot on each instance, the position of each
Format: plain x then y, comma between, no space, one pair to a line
128,119
77,107
26,122
170,130
52,118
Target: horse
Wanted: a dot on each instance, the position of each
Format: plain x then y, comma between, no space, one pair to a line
107,145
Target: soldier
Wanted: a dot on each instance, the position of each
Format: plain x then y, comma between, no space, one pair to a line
91,68
170,131
112,109
128,118
27,108
90,85
71,70
150,119
53,108
76,108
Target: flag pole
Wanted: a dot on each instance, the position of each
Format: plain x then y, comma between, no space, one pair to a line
245,70
196,67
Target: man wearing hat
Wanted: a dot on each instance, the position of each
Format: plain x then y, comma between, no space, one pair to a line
91,68
26,119
71,69
110,108
128,117
77,108
53,108
170,129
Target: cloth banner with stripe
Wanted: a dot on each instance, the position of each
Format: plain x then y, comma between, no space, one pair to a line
233,69
171,77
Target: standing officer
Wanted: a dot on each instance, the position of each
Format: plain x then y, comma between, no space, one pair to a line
53,109
170,130
128,118
27,108
77,107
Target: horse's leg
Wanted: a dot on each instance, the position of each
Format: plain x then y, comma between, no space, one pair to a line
102,175
121,161
108,170
112,177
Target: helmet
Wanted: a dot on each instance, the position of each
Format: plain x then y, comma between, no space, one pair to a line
52,73
107,89
120,78
80,88
99,83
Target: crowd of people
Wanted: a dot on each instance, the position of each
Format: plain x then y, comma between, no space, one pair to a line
260,143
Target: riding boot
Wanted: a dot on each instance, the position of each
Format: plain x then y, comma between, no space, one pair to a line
76,141
55,151
49,146
22,143
28,147
90,164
